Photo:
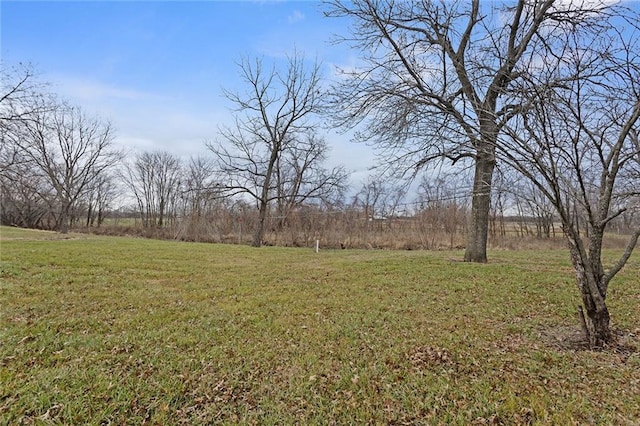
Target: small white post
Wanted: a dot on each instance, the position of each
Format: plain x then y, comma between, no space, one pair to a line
317,245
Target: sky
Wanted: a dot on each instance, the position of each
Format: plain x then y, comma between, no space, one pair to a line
157,69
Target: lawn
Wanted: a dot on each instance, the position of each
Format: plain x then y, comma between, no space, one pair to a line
111,330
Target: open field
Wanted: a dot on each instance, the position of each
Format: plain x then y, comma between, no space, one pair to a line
111,330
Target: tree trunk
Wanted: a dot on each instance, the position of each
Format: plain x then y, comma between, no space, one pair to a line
89,213
589,281
480,207
100,216
63,226
264,196
161,214
599,323
599,333
259,233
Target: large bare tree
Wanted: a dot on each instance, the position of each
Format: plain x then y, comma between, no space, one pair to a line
435,77
272,153
578,144
70,149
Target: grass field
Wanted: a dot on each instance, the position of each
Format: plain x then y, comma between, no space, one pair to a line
110,330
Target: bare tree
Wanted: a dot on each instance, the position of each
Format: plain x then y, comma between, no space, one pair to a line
25,195
378,199
300,175
274,129
202,208
578,145
533,206
70,149
99,196
442,204
200,190
155,180
22,98
435,80
22,94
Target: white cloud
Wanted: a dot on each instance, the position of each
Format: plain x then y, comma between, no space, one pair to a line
177,128
296,16
93,91
147,121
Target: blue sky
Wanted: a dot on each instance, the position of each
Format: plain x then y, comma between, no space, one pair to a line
156,69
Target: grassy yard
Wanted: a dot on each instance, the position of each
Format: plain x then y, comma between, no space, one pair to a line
109,330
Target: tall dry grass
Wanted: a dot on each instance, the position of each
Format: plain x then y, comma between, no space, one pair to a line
435,229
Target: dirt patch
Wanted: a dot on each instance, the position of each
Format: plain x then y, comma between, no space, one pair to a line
571,338
565,338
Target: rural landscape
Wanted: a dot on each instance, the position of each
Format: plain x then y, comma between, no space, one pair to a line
484,271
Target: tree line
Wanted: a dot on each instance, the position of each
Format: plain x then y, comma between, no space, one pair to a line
544,91
53,156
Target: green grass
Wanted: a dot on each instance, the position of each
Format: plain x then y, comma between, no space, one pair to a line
106,330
